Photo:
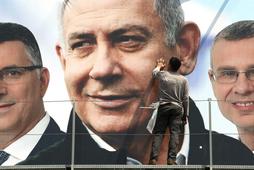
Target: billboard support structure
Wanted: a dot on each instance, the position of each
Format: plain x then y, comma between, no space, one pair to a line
210,133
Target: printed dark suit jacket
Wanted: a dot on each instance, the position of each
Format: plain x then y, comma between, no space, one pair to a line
226,150
51,135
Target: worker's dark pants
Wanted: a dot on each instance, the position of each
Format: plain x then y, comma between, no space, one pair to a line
168,116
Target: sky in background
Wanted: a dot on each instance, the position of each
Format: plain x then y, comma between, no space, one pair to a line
41,17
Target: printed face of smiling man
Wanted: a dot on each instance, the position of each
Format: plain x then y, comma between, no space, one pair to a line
110,51
236,100
21,105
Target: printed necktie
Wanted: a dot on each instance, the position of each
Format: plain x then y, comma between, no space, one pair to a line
181,160
3,157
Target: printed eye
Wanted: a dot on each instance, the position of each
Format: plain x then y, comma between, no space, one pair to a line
12,73
129,43
228,73
82,44
250,74
82,48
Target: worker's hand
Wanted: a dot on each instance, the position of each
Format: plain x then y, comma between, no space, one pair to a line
161,63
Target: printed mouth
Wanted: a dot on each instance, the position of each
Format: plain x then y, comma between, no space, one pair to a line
4,107
6,103
112,97
112,101
246,106
243,104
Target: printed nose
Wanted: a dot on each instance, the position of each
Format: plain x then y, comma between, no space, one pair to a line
105,65
243,86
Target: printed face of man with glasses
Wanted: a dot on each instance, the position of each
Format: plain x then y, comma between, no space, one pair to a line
232,78
22,86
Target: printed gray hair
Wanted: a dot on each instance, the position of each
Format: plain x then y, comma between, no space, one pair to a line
236,31
170,12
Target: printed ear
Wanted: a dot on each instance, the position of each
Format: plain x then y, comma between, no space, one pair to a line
210,74
44,80
60,54
188,44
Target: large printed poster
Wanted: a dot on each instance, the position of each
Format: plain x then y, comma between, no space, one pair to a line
42,18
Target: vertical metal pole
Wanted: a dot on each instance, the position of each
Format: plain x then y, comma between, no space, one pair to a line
210,133
73,137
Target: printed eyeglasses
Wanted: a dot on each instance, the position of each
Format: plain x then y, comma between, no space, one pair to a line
13,75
